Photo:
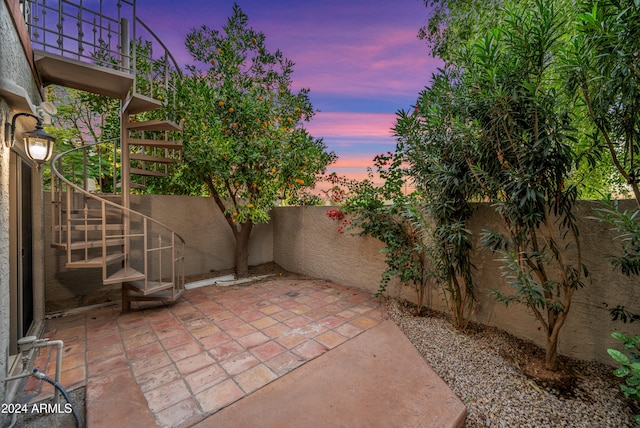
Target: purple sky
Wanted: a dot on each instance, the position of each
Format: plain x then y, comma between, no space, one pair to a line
361,59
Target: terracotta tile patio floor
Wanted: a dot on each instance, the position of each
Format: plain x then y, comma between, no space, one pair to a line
212,347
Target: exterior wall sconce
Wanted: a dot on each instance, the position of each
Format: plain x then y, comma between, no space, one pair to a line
38,144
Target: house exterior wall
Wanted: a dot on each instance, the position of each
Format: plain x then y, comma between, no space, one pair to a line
19,92
5,269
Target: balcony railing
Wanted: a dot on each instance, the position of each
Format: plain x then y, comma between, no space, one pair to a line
102,32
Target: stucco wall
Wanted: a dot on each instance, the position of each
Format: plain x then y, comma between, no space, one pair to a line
5,270
306,241
209,246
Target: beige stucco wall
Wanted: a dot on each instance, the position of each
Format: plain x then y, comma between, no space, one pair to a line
306,241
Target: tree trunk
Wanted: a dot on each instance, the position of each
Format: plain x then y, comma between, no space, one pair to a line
551,357
241,236
242,250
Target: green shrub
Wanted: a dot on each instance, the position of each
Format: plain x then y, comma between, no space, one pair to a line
629,366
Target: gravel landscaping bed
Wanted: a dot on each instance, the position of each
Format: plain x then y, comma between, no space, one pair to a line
484,367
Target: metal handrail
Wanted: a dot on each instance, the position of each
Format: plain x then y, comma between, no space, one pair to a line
157,39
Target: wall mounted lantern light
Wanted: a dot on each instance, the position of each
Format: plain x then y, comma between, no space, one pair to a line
37,143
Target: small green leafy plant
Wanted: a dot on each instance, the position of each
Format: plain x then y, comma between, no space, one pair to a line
629,366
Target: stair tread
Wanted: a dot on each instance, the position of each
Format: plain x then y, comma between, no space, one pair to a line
111,210
132,185
138,171
161,144
138,103
90,227
147,158
111,242
124,275
95,262
153,287
154,125
110,196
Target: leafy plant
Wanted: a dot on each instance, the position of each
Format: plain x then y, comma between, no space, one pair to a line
629,366
387,214
433,141
246,144
606,74
84,118
522,158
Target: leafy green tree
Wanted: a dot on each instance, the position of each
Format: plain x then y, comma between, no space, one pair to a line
245,143
606,73
453,24
522,159
82,119
432,139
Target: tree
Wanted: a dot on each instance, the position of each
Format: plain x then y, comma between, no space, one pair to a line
245,142
523,158
606,74
432,139
497,114
453,24
82,119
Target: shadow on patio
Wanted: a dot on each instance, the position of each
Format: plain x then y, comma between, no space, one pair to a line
176,365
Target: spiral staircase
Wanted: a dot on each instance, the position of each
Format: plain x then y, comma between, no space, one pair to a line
102,51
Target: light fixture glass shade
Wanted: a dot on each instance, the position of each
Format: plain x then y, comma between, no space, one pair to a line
38,145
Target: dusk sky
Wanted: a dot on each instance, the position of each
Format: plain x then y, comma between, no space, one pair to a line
361,59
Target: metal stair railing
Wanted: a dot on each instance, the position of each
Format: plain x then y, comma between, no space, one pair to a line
163,67
89,227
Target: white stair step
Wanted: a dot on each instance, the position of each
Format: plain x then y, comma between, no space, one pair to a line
81,245
138,103
132,185
90,227
153,287
154,125
94,263
124,275
146,172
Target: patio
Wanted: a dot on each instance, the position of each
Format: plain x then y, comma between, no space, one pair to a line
176,365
